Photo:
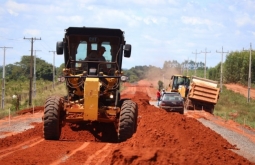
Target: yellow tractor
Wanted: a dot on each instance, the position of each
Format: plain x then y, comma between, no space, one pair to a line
180,84
92,83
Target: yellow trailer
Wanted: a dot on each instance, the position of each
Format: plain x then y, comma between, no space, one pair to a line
203,94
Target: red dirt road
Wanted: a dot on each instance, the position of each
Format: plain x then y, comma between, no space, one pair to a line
161,138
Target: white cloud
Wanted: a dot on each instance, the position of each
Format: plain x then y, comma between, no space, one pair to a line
12,12
152,39
1,10
170,27
16,7
4,31
155,20
244,20
174,2
232,8
195,21
70,19
149,2
253,33
32,32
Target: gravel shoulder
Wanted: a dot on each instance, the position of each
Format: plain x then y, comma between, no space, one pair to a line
18,124
245,145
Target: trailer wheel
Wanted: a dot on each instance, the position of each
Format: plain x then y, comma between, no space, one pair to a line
52,118
127,120
182,111
211,109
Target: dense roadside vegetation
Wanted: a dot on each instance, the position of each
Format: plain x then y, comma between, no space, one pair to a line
234,106
17,83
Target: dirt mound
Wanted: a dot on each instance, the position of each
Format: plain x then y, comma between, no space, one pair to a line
171,138
21,137
30,110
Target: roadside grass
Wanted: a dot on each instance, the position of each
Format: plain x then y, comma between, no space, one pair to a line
38,100
234,106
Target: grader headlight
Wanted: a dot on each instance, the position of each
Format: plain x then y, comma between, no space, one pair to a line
123,78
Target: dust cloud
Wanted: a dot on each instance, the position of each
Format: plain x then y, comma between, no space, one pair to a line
157,74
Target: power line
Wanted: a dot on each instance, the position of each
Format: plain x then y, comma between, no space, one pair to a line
195,62
221,68
205,52
53,85
31,68
3,81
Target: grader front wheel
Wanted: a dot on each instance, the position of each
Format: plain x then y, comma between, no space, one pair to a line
52,118
127,120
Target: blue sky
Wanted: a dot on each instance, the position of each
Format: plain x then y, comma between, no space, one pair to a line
158,30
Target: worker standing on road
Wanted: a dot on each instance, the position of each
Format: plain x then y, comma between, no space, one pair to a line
163,91
158,96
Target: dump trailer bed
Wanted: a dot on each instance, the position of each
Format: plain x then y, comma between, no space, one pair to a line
204,90
203,94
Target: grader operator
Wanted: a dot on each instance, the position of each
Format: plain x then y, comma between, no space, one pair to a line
93,84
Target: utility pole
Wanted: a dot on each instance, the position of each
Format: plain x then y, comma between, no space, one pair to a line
163,80
53,85
187,67
34,80
3,80
31,68
221,68
249,77
196,62
205,52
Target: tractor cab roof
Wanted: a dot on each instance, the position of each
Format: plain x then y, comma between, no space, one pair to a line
94,31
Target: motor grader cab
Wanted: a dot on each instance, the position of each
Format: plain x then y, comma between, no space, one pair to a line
93,85
180,84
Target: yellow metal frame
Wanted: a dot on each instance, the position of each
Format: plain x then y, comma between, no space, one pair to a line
91,96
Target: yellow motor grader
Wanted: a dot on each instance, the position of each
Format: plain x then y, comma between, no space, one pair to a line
93,83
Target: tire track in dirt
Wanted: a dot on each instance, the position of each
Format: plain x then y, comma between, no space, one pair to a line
95,158
94,153
27,144
44,152
68,155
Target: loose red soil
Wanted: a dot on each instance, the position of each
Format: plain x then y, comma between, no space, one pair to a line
161,138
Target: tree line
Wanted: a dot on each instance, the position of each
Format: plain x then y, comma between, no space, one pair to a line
235,69
21,70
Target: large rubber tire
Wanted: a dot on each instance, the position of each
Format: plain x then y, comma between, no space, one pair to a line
182,112
52,118
134,109
211,109
127,120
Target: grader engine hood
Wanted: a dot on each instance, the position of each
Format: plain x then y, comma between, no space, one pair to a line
77,81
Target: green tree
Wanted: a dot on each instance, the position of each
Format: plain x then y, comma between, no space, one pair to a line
160,84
